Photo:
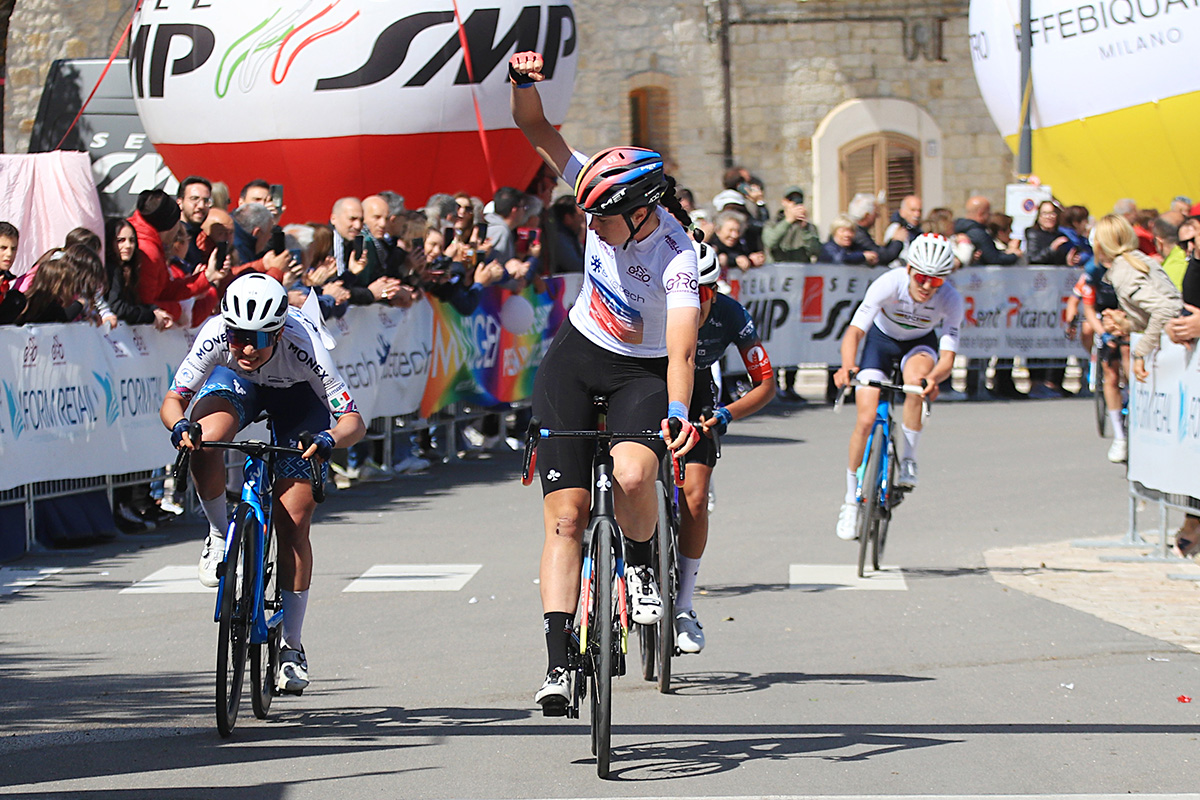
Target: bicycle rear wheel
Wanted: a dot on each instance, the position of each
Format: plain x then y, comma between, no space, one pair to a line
264,658
233,638
668,576
602,646
868,512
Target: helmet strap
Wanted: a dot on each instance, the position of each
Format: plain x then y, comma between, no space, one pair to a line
633,231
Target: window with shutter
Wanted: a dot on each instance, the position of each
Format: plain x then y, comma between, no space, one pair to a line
649,118
887,163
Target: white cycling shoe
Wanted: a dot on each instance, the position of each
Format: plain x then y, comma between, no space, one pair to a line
555,693
847,524
293,671
907,475
689,633
210,558
1118,452
644,600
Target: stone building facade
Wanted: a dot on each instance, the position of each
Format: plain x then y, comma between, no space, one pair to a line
806,81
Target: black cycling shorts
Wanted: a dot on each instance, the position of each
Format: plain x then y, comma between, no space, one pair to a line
881,352
574,371
703,394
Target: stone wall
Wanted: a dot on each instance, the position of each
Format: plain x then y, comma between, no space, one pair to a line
787,76
40,32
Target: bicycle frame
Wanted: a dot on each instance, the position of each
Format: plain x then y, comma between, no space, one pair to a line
257,493
882,424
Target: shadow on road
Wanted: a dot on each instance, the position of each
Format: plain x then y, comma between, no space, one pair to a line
695,684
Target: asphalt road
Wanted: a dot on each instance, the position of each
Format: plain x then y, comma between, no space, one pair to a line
945,682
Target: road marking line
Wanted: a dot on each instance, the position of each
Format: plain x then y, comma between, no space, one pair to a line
14,579
170,580
414,578
826,577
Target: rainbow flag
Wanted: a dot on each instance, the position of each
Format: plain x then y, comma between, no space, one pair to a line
491,356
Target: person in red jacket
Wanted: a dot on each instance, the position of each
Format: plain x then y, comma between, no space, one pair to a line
155,220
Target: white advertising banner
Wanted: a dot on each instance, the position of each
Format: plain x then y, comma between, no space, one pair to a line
77,402
802,310
1164,422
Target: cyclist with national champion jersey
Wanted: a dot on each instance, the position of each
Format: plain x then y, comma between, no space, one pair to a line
631,336
260,354
724,321
897,317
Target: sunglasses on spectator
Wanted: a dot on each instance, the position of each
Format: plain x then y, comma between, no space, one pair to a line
1187,242
256,339
928,280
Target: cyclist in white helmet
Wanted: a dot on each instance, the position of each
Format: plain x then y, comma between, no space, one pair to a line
260,354
723,321
898,317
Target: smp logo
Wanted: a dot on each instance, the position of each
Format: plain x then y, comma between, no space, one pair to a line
14,412
112,408
179,49
29,357
58,353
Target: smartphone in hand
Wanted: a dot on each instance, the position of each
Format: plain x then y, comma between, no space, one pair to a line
278,241
222,254
358,247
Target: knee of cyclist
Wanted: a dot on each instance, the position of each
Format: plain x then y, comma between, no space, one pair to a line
634,478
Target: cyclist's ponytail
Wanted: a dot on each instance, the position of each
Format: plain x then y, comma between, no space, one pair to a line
672,204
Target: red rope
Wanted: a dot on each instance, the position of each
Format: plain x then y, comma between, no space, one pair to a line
103,72
487,153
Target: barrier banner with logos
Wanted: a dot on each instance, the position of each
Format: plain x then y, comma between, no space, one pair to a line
1164,422
802,310
79,403
491,355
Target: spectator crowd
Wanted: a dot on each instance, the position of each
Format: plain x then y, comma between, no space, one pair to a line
168,263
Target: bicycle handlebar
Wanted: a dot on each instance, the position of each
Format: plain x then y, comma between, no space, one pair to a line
535,433
906,388
253,449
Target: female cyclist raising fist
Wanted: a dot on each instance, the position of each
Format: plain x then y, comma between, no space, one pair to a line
630,336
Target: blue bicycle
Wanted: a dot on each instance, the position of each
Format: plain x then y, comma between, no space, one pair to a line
249,601
878,492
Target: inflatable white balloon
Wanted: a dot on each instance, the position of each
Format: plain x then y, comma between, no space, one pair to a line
1115,105
346,97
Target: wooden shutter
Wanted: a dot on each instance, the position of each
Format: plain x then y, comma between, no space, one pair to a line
880,162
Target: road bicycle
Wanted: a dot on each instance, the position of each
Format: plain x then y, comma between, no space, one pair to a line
249,603
878,493
658,644
601,636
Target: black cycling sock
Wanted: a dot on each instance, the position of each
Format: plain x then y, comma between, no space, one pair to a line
638,554
557,625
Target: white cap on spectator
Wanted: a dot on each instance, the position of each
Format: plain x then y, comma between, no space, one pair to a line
729,197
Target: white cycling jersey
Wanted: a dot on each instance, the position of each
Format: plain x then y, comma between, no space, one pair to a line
627,291
893,310
299,357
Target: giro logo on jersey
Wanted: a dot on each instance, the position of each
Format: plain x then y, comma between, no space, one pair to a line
553,475
683,283
639,272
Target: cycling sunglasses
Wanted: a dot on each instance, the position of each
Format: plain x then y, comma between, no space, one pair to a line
256,339
927,280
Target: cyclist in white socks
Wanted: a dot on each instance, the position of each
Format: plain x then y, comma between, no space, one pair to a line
897,318
259,354
723,321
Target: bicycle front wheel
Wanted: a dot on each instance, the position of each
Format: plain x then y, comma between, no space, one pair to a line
604,662
879,540
868,512
668,575
264,658
1098,399
233,638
